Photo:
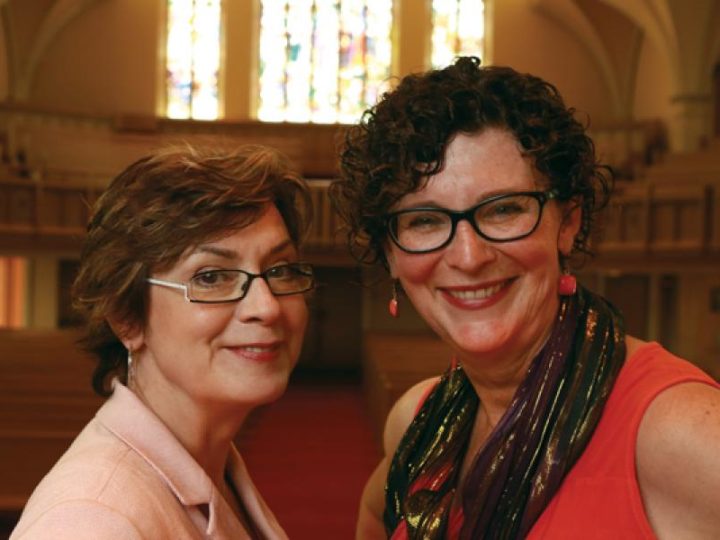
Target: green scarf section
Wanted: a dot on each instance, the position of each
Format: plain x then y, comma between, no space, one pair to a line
520,467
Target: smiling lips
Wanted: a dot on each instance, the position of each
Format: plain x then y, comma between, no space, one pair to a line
258,352
478,296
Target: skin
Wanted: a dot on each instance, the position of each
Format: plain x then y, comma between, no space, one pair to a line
201,368
495,304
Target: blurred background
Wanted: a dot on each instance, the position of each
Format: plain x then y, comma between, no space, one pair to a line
88,86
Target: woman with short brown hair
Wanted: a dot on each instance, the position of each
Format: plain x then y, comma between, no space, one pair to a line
192,288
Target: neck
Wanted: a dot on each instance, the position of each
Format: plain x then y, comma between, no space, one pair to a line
495,393
496,376
206,430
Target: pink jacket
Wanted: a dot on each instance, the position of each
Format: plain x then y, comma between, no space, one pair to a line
127,477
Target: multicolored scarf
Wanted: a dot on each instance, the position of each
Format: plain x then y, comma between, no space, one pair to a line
547,426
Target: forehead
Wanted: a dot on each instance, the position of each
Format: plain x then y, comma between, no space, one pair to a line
265,235
268,226
477,166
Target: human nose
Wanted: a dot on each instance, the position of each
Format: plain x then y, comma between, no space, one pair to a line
467,249
259,303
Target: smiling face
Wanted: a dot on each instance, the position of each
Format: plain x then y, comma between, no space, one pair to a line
487,300
236,354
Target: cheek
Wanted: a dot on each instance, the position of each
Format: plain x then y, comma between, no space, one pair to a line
414,268
296,317
540,258
202,324
295,320
539,263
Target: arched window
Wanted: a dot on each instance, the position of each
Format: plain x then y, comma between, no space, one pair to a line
322,60
319,60
193,59
458,29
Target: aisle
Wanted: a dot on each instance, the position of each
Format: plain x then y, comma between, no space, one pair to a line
310,455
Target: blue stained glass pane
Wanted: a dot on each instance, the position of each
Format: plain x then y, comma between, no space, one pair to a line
193,58
322,60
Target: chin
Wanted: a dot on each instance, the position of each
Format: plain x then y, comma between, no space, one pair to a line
475,341
272,390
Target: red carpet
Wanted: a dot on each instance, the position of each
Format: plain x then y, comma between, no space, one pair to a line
310,454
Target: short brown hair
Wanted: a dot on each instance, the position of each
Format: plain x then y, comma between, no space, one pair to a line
153,212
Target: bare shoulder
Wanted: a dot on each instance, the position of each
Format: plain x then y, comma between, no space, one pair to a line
372,504
678,468
632,344
403,412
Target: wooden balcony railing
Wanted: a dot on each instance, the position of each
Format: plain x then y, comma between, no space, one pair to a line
673,223
645,220
671,214
53,215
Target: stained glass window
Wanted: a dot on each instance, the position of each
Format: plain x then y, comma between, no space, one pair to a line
193,58
322,60
458,29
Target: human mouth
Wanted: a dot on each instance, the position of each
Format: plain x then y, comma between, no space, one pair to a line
258,352
256,349
477,296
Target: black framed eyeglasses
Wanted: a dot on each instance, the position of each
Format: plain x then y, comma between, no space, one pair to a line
220,286
501,218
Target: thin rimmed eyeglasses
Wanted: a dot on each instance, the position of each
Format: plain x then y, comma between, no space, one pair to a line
220,286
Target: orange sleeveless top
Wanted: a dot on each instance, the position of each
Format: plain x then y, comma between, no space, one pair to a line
600,496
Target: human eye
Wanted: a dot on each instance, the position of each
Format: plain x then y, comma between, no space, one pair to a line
289,272
421,220
280,272
505,208
289,278
215,279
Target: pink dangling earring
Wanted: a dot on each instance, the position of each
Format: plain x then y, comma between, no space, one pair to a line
393,304
567,284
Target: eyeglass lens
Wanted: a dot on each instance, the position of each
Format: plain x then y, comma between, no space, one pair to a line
218,285
502,219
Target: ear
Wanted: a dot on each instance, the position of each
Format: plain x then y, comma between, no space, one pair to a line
132,338
570,226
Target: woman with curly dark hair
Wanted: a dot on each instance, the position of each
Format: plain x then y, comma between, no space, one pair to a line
192,290
475,186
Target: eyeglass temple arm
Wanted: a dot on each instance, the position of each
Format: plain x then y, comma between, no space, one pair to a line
171,285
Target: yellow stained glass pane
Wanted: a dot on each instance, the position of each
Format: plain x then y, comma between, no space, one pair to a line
458,30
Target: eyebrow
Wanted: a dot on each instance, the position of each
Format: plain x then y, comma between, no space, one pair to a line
431,203
230,254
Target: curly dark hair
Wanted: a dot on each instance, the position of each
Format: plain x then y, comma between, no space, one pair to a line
153,212
401,142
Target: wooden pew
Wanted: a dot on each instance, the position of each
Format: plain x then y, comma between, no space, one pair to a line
45,400
395,361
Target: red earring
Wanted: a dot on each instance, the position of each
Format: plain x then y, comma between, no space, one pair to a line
393,304
567,284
